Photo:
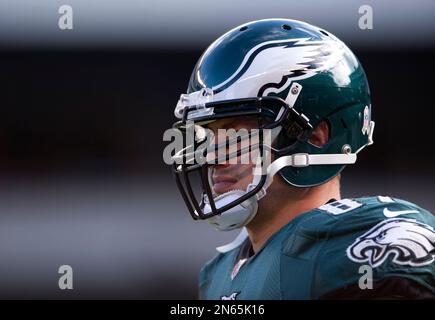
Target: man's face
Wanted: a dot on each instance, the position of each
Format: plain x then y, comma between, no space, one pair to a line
227,176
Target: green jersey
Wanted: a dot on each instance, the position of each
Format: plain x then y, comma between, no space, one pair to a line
340,244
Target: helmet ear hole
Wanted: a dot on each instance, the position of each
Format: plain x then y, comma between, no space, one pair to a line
320,135
328,123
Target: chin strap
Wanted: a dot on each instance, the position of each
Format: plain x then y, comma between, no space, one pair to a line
297,160
300,160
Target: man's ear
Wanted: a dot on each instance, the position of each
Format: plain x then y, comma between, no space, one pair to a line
320,135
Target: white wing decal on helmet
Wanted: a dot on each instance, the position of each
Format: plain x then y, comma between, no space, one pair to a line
272,66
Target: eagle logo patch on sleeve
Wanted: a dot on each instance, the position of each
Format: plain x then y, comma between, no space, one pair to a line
406,241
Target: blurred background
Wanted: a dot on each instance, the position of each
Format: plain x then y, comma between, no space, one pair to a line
83,111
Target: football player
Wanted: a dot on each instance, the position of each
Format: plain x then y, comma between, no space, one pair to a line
302,98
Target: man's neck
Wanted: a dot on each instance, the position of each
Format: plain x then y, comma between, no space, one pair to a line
272,219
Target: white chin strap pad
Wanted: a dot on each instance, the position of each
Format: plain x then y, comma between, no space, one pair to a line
236,217
300,160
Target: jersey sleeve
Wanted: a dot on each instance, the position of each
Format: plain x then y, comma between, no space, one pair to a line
381,240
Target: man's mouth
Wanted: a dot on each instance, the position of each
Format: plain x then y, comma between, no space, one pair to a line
222,184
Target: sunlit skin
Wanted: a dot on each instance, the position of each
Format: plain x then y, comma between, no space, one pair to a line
282,202
226,176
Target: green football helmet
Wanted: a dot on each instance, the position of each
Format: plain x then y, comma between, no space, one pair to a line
293,75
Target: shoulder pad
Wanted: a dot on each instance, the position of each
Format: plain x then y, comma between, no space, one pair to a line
388,237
